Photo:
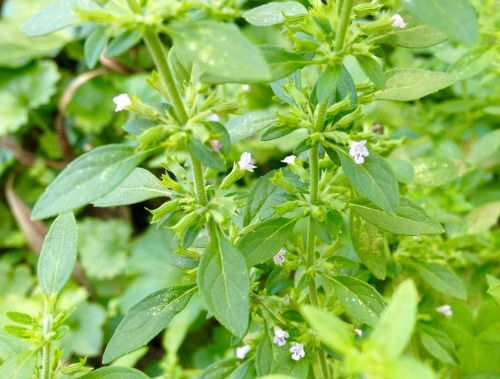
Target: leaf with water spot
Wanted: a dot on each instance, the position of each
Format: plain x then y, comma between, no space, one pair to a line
244,126
223,53
146,319
273,13
359,299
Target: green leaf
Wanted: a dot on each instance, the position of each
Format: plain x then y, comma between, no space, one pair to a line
408,368
330,329
416,35
369,243
20,318
10,347
282,62
392,333
442,279
103,247
412,84
180,64
493,288
208,156
139,186
264,239
277,131
87,178
224,284
219,369
329,228
373,69
273,13
474,62
346,86
25,89
219,132
115,372
94,45
146,320
58,255
438,345
433,171
57,15
223,53
484,153
19,367
123,42
372,179
409,219
244,126
359,299
456,18
327,82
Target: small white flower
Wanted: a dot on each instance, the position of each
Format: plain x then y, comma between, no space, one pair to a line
445,310
398,21
358,151
297,351
280,336
245,88
246,162
214,117
279,258
289,160
216,144
359,332
122,101
241,352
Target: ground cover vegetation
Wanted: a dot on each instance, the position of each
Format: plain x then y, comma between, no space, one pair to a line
249,189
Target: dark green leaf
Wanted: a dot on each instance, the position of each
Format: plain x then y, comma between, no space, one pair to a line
442,279
208,156
263,240
412,84
138,126
219,369
224,284
369,243
326,84
244,126
115,372
409,219
223,53
329,227
139,186
219,132
456,18
282,62
58,255
276,132
359,299
372,69
273,13
346,86
438,345
123,42
94,45
372,179
146,319
87,178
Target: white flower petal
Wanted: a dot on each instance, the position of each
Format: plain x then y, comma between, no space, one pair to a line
241,352
399,22
289,160
245,162
122,101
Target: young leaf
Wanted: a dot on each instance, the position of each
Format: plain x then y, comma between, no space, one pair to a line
224,53
87,178
330,330
372,69
442,279
94,45
244,126
139,186
277,86
326,84
372,179
409,219
115,372
181,66
346,86
263,240
204,154
55,16
369,244
282,62
329,228
224,284
58,255
359,299
416,35
438,345
412,84
123,42
456,18
273,13
392,333
146,319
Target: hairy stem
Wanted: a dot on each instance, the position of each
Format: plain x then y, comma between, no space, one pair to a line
345,19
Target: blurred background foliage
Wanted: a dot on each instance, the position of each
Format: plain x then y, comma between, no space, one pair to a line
53,108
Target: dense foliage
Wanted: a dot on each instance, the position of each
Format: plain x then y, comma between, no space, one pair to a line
243,189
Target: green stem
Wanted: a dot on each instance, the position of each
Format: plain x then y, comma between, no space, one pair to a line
46,372
345,19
